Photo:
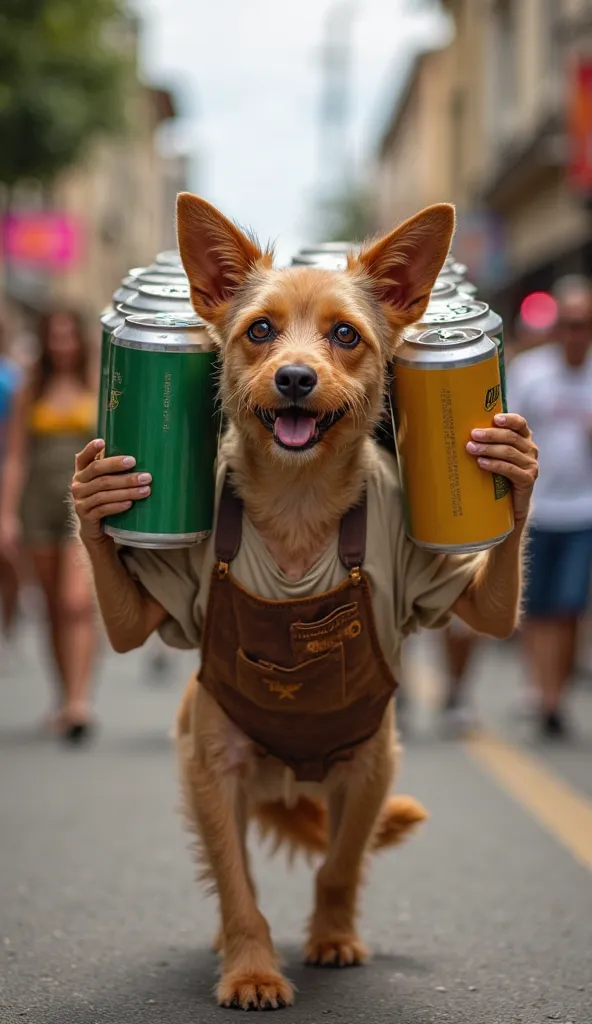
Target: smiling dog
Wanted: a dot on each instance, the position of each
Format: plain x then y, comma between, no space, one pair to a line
301,598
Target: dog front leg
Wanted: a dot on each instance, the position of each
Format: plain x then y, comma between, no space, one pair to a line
354,808
250,978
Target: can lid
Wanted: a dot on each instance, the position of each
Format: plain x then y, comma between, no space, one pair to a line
327,247
151,277
467,288
168,258
123,293
165,291
164,270
170,321
443,289
449,336
454,311
129,280
111,317
321,261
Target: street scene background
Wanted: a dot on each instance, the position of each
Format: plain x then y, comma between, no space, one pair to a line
308,122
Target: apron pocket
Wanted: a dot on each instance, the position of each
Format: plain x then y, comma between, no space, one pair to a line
310,638
314,687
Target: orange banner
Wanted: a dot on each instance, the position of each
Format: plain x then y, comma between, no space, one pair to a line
580,125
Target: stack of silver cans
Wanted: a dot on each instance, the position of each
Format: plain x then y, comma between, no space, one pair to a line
325,255
129,298
454,304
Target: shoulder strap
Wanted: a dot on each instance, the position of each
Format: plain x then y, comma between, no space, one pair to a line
352,530
352,536
229,527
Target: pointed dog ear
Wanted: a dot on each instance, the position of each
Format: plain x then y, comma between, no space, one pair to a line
217,256
404,265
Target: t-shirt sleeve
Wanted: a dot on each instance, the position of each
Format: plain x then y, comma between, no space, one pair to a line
172,579
428,585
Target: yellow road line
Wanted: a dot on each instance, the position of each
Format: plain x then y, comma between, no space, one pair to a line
564,812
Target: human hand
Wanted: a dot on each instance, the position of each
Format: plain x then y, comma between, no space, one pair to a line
100,487
507,448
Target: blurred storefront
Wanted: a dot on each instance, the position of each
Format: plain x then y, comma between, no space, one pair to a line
73,242
500,122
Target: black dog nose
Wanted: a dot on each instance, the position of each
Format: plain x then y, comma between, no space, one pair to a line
295,381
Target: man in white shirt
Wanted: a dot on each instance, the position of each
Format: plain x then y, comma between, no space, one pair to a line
552,386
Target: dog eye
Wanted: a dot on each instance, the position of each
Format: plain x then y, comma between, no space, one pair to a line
345,335
260,330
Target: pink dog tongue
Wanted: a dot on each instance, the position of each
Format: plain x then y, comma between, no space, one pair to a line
294,431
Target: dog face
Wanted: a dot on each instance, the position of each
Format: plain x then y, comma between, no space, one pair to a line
304,349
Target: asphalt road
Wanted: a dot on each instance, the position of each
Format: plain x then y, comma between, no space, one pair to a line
484,918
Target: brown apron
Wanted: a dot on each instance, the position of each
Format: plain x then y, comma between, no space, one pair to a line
305,679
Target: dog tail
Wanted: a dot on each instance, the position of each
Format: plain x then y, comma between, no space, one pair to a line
304,827
400,816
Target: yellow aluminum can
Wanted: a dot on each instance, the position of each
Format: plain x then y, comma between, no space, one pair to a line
447,383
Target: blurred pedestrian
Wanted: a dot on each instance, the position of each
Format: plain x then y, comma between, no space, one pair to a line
552,386
9,581
458,713
53,417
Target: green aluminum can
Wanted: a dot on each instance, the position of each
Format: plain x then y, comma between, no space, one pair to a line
162,410
110,320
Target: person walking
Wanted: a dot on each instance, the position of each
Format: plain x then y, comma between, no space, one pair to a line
552,385
9,575
53,416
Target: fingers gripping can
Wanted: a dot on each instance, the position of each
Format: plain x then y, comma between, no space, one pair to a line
447,383
162,410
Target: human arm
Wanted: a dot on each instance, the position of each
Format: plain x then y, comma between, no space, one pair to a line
129,612
491,601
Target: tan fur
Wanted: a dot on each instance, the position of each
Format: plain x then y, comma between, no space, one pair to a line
296,499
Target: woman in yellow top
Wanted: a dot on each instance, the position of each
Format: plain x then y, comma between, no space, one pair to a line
53,417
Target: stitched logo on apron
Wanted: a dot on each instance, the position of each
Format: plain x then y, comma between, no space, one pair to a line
285,691
350,632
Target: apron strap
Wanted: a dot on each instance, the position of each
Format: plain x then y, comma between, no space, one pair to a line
352,536
229,528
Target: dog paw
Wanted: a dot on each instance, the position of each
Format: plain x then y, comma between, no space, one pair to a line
254,991
347,951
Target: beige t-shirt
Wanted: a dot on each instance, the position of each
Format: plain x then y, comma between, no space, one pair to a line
410,587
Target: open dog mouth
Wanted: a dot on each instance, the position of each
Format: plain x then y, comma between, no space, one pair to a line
296,428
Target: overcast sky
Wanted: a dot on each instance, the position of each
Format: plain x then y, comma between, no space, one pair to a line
247,76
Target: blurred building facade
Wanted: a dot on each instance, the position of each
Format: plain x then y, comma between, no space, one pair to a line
122,199
487,123
119,202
